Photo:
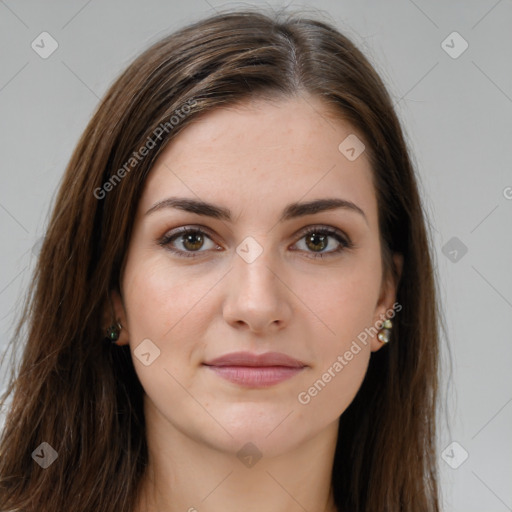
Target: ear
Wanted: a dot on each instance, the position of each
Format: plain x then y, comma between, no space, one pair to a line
114,311
387,299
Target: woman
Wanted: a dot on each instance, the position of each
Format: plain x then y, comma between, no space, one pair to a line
234,305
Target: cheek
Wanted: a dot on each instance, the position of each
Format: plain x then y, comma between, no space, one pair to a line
168,309
346,307
160,300
342,355
346,302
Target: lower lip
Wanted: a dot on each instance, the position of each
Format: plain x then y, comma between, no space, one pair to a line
256,376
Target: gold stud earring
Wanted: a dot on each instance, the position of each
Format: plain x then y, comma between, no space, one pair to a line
385,333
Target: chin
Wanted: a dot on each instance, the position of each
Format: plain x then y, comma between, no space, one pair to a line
273,432
258,444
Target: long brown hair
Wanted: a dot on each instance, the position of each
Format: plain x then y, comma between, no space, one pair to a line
82,396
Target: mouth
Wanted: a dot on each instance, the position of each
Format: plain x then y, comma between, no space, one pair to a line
256,370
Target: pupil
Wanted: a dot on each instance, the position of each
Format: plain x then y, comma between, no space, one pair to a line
314,236
189,239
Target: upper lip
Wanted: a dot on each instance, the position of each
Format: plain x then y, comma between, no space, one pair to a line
257,360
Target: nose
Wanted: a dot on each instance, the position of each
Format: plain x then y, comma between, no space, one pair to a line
257,297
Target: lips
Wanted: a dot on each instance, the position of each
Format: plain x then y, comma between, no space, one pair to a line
256,360
255,370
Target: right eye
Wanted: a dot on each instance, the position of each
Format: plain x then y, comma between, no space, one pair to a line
191,239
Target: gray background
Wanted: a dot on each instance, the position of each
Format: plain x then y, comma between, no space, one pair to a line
456,113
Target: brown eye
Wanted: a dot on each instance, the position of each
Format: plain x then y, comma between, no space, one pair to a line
317,239
318,242
190,239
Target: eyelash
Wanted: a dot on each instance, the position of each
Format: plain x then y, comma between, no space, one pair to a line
345,243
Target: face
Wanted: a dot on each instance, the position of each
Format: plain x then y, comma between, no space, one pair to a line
257,278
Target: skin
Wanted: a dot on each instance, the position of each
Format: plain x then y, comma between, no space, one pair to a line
254,159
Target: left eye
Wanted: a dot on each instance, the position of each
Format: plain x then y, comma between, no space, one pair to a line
192,239
318,238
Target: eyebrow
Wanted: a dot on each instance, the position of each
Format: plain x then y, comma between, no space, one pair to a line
291,211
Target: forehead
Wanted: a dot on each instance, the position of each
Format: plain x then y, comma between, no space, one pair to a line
260,154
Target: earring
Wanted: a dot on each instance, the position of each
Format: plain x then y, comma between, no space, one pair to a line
113,332
385,333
